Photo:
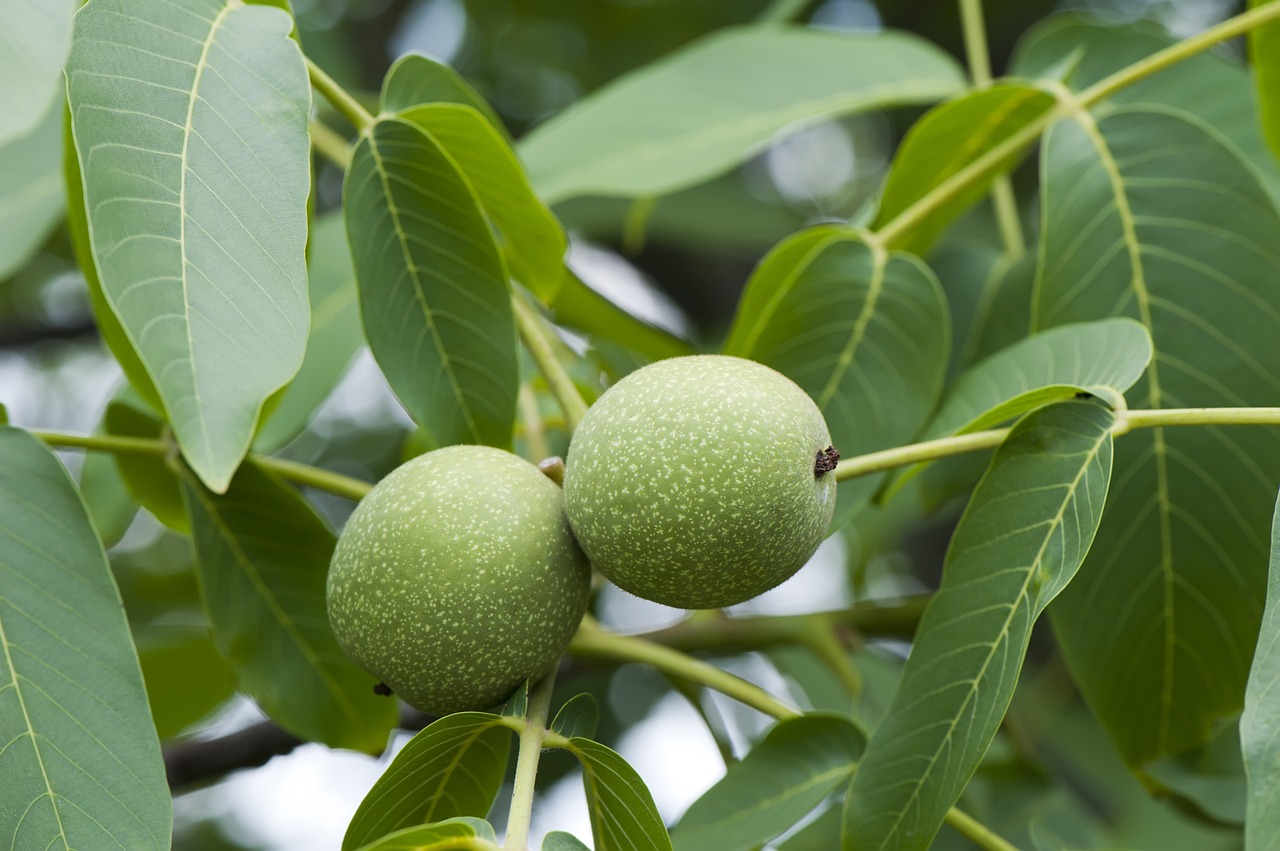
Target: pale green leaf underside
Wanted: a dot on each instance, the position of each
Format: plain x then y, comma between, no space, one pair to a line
262,554
335,335
452,768
35,36
1260,723
434,296
1147,214
845,321
530,234
623,815
190,120
1103,358
797,764
948,138
80,766
32,196
1026,530
707,107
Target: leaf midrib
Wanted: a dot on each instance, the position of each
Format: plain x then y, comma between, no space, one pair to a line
411,267
31,732
188,130
1142,298
290,626
1031,570
834,773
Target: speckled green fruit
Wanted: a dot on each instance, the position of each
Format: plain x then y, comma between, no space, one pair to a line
692,481
457,578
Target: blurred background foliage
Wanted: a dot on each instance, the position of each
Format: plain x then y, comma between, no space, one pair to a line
679,261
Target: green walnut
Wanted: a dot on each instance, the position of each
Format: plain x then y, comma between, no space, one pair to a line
700,482
457,578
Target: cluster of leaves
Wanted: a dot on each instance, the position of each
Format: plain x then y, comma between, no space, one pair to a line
182,159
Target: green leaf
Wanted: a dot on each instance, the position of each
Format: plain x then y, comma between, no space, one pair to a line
1260,722
712,104
186,679
1003,314
1148,214
109,327
335,336
81,765
623,815
578,717
35,36
191,125
1020,541
453,767
416,80
1210,780
845,320
4,415
434,295
558,840
797,764
531,235
262,554
1210,86
32,199
1104,358
441,836
1264,51
821,834
948,138
149,480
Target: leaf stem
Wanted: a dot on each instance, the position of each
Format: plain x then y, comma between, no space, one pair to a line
535,430
914,453
330,144
977,832
341,99
304,474
532,735
592,641
538,342
294,471
980,168
979,59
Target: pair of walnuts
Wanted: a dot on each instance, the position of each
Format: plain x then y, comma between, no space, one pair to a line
696,482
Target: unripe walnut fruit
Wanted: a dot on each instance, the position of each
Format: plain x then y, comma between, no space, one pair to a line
700,482
457,578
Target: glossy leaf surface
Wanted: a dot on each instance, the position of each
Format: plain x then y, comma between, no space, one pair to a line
81,765
262,555
707,107
1027,529
623,815
453,767
1148,214
1264,51
434,296
416,79
190,121
793,768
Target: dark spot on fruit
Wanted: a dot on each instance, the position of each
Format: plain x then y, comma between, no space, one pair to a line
825,461
382,689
